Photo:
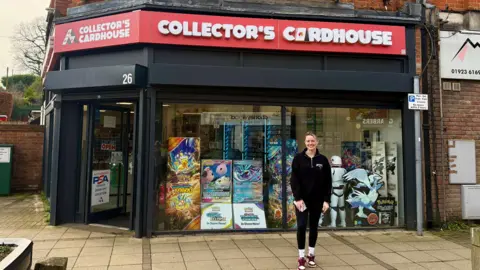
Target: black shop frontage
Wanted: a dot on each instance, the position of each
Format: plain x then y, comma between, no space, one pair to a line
169,121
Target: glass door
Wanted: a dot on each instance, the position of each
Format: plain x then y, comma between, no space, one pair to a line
110,189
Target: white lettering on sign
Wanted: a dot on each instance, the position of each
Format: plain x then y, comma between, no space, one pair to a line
98,32
217,30
373,121
325,35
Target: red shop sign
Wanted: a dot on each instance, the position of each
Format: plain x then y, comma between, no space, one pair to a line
230,32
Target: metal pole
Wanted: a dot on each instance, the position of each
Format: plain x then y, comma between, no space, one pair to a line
418,162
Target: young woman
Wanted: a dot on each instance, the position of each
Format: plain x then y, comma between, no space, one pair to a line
311,186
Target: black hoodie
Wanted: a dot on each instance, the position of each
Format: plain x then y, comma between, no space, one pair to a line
311,179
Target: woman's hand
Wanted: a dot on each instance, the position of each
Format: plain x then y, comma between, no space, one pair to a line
325,207
299,204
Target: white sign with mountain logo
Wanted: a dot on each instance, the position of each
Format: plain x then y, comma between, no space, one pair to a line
460,55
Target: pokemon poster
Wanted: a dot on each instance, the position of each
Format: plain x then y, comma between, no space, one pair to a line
216,181
183,183
247,181
249,216
351,155
216,216
275,198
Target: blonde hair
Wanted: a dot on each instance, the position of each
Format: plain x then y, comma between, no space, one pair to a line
309,133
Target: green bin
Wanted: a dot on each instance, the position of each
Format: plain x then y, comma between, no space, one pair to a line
6,157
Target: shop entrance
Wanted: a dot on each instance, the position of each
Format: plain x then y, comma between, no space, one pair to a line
112,178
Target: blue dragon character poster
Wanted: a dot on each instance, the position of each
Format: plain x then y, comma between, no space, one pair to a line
275,197
216,181
183,183
247,181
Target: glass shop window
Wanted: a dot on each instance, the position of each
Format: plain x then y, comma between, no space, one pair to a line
364,147
218,167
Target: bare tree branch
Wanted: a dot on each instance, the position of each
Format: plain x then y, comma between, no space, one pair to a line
29,45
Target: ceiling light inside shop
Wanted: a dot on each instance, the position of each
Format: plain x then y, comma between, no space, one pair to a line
102,111
166,105
124,103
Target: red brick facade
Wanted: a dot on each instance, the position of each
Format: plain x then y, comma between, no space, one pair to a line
27,155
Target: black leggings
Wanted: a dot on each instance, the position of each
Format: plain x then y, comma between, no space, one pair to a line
315,210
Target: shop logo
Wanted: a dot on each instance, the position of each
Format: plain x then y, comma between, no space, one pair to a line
70,37
100,179
341,36
462,52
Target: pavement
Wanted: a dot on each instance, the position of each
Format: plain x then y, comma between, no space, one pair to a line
90,247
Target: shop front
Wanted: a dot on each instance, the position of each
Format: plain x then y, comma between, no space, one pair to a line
167,122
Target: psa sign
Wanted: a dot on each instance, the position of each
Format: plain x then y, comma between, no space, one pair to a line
230,32
98,180
100,187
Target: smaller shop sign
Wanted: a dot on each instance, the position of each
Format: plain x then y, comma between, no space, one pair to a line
100,187
460,55
5,154
108,146
418,102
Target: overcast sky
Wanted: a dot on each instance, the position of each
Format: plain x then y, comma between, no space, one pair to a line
15,12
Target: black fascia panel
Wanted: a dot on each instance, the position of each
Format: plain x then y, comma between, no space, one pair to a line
187,75
97,77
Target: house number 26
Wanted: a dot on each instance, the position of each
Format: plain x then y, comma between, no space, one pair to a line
127,78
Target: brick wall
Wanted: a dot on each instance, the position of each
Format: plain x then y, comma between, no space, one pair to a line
27,157
461,111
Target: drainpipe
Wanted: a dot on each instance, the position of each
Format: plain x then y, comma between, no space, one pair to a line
442,136
426,124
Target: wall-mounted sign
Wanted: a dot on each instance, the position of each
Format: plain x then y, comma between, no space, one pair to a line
461,162
5,153
100,187
418,102
232,32
459,55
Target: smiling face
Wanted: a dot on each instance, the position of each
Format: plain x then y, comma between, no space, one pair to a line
311,142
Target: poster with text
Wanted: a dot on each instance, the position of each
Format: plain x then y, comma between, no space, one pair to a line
100,187
216,179
183,183
379,165
392,173
386,211
247,181
249,216
216,216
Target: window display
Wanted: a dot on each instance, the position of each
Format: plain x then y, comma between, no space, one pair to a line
216,165
363,146
220,166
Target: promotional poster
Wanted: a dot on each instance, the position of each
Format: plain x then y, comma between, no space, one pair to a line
249,216
100,187
183,183
216,216
392,173
275,198
362,195
216,179
247,181
386,211
379,165
351,155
